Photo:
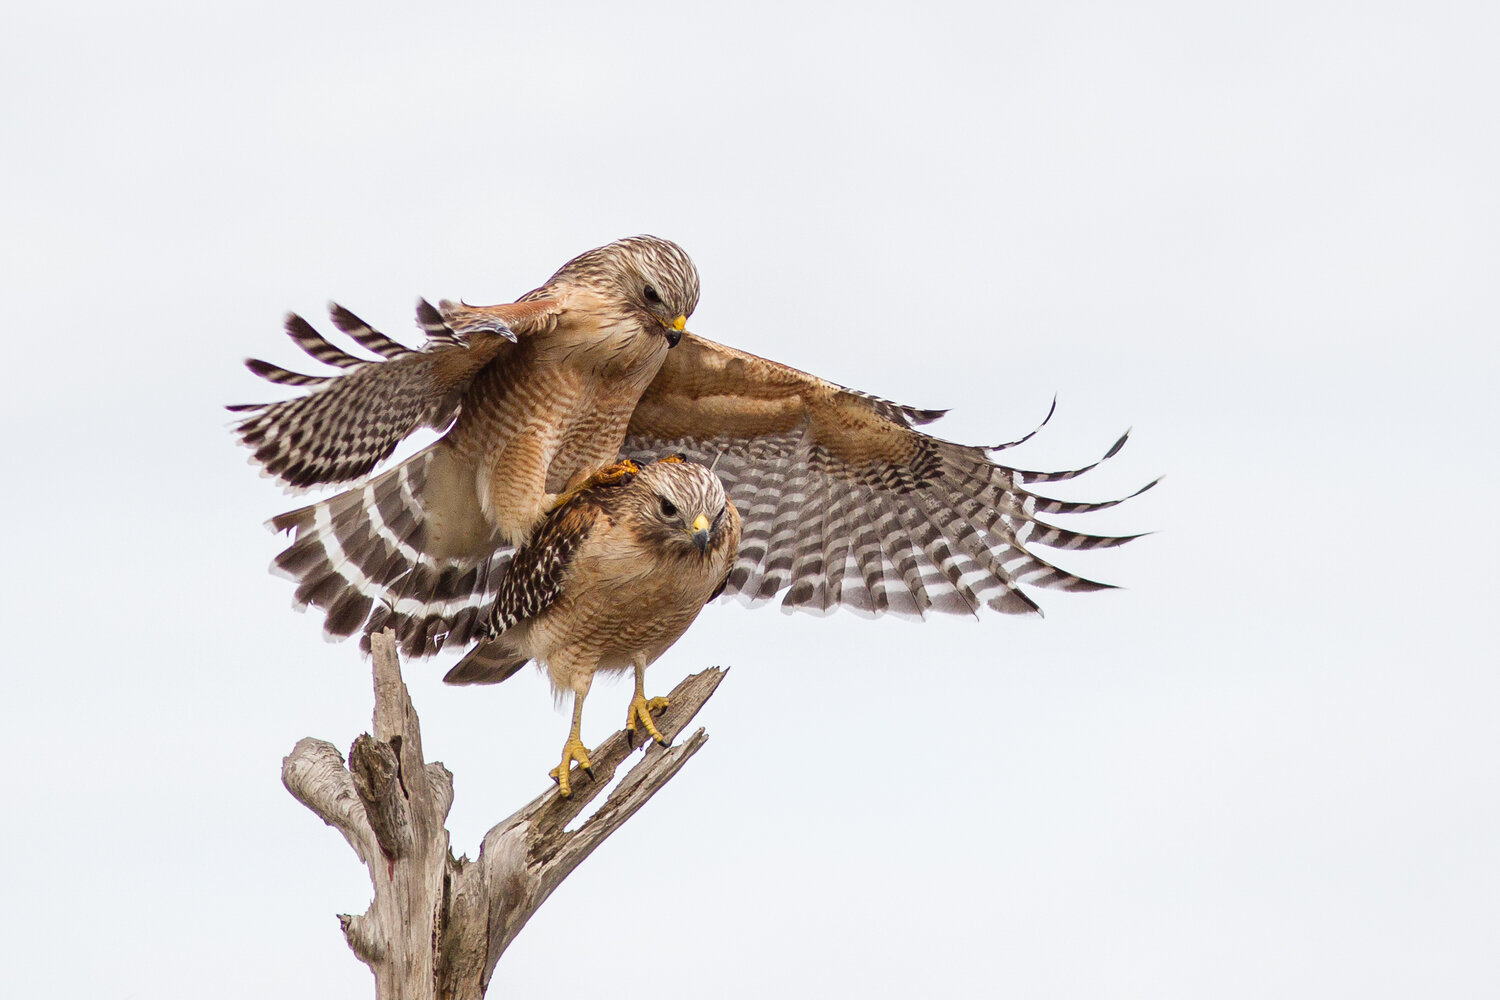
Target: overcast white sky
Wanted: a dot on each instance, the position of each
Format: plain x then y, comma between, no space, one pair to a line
1265,237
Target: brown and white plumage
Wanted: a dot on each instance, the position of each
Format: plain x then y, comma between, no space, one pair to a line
538,394
846,502
612,574
612,577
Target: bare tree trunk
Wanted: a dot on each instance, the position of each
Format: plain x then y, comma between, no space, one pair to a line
438,925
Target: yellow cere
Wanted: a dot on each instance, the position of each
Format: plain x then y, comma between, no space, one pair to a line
701,524
678,323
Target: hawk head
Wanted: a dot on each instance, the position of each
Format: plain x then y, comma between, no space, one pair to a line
680,507
653,276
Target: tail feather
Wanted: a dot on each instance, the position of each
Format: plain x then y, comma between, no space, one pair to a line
364,558
492,661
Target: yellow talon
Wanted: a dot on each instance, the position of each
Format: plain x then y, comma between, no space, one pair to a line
573,750
621,469
608,474
642,708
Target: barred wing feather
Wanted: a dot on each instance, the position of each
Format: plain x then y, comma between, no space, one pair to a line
348,423
846,504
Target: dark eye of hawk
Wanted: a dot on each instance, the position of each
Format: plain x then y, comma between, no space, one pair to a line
668,508
652,298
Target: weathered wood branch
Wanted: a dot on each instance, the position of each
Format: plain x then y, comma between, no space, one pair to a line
438,924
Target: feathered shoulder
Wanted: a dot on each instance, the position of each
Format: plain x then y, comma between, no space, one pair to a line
537,571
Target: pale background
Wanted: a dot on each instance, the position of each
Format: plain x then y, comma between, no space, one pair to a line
1264,235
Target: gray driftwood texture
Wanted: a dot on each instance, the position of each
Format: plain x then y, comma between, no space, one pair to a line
438,924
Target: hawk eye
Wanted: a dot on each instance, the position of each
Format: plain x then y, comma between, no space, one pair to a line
668,508
652,298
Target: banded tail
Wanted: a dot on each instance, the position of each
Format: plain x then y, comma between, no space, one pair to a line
407,550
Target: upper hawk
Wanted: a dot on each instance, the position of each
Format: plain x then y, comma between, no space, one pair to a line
844,501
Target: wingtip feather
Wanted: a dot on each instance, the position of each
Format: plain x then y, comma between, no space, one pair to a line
1028,435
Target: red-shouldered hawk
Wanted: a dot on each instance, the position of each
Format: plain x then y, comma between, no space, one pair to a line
845,502
612,577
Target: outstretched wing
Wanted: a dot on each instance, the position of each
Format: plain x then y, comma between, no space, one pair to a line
845,503
348,423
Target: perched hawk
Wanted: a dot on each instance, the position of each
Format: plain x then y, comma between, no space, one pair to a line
845,502
612,577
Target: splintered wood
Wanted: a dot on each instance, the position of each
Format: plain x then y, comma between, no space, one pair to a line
438,924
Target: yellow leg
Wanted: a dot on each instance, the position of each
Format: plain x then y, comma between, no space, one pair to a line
641,708
573,750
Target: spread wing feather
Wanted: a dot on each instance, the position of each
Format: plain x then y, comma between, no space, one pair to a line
349,423
367,336
845,503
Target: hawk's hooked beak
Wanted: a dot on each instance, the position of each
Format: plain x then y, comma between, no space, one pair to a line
700,533
674,329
